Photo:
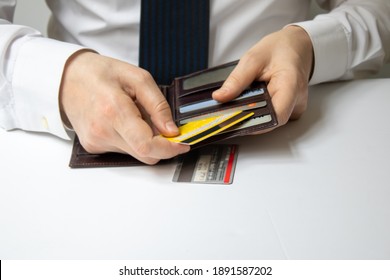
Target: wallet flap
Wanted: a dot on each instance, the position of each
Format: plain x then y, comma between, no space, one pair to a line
81,158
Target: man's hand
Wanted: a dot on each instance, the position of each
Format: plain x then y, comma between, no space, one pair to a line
116,107
284,59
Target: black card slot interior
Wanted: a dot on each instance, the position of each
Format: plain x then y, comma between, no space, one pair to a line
210,79
195,98
210,88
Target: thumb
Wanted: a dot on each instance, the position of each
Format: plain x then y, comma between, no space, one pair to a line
239,79
149,96
161,117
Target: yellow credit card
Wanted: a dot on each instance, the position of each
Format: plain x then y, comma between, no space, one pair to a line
196,131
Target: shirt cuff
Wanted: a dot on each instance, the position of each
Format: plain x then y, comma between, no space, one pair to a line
330,46
36,81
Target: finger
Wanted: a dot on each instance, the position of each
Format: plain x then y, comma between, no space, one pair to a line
123,148
139,139
152,150
151,160
282,100
284,95
115,143
149,96
240,78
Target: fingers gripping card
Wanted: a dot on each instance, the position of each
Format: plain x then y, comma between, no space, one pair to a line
198,130
213,164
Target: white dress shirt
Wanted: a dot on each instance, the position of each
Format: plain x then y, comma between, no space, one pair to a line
352,40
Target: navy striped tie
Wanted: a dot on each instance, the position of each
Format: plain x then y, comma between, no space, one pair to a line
174,38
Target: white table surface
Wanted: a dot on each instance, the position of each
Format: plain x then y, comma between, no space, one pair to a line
317,188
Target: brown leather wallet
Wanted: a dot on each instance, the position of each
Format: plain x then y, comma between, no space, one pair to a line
189,98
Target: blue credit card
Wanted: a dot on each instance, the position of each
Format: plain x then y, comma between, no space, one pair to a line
211,102
245,107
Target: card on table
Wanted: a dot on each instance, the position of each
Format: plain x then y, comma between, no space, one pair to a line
213,164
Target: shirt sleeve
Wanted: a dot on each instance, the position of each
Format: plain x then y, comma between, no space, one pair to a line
30,77
351,41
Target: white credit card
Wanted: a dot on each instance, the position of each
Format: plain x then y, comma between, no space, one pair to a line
248,123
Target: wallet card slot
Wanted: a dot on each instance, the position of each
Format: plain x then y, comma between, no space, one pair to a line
211,106
220,107
210,103
195,98
250,124
260,116
262,119
209,88
205,80
248,105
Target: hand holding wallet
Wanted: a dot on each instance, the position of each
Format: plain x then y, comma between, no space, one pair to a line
190,99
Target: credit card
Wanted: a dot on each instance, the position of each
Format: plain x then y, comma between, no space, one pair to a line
196,131
251,122
245,107
211,102
213,164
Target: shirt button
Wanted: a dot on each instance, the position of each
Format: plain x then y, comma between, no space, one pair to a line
45,123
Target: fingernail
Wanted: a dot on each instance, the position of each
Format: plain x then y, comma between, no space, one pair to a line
221,91
171,126
217,93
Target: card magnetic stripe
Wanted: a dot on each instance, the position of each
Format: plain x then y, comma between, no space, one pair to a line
229,168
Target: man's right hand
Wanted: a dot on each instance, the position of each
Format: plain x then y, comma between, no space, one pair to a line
117,107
